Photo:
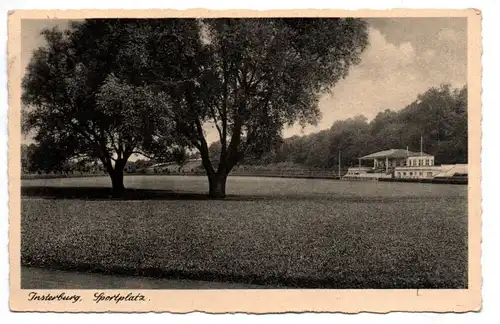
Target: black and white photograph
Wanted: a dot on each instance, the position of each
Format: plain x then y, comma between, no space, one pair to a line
245,153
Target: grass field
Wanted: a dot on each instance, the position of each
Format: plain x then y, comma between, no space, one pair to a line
281,232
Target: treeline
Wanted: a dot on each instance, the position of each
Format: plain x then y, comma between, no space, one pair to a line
439,116
35,161
36,158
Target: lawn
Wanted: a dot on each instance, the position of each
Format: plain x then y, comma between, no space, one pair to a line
280,232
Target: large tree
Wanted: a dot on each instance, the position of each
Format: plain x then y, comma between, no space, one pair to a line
82,101
247,78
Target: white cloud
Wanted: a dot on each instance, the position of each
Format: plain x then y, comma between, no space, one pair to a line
390,77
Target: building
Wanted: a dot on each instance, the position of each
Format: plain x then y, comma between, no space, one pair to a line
398,158
189,166
417,172
401,163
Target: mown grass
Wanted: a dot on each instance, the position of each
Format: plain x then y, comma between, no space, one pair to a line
312,241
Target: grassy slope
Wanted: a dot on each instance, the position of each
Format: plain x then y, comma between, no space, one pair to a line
309,241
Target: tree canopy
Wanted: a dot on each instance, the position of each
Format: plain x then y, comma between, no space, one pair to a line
248,78
82,101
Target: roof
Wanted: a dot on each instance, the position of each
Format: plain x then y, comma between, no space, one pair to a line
393,153
172,163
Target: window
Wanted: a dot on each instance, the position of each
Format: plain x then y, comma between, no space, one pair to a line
429,174
426,162
420,174
404,173
411,173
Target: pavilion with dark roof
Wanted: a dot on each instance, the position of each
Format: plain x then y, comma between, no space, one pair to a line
390,159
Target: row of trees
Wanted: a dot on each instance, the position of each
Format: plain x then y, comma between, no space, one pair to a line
105,89
439,116
38,159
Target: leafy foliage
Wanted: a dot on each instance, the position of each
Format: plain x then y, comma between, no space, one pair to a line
246,77
83,101
44,157
269,73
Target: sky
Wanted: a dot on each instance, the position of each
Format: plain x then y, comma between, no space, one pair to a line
405,57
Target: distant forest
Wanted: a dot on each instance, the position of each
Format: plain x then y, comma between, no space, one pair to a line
439,116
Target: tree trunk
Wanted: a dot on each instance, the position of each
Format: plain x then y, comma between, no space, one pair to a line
217,186
117,182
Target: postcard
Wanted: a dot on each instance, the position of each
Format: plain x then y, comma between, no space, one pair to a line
245,161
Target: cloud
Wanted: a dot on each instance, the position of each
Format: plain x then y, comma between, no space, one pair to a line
391,76
380,51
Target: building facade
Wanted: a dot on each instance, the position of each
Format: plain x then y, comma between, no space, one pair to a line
419,160
395,163
417,172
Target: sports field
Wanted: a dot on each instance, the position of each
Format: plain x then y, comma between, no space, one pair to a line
278,232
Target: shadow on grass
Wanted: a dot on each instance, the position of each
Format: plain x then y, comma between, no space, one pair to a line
103,193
